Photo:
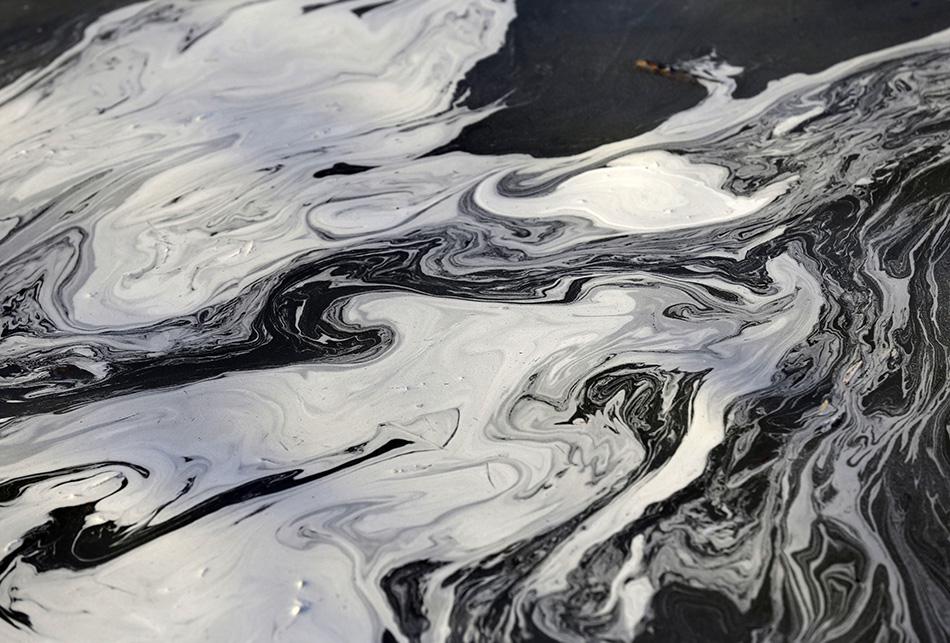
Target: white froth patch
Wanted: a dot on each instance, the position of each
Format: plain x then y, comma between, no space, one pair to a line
494,461
196,162
650,191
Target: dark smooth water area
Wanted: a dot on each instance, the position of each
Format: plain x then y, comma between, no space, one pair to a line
567,77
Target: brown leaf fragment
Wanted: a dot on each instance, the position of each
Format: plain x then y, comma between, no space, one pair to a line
666,71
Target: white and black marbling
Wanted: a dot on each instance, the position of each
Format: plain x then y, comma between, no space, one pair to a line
274,371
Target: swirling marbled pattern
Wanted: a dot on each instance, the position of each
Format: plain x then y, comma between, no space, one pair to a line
274,370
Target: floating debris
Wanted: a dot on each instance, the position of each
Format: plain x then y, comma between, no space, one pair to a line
667,71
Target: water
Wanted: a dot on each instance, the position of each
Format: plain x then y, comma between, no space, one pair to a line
274,371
